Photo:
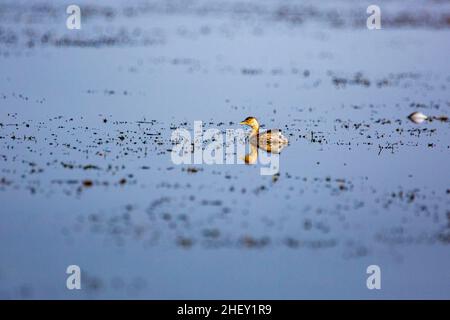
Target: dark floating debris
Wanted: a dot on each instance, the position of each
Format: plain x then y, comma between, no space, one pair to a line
441,118
87,183
192,169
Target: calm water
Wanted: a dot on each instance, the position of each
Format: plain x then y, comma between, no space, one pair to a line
86,175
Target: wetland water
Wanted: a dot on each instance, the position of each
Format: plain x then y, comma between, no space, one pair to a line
86,175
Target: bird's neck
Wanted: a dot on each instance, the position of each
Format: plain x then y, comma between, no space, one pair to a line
254,132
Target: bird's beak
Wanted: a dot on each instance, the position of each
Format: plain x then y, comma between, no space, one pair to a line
243,122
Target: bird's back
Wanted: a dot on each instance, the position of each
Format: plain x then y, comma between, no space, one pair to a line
271,140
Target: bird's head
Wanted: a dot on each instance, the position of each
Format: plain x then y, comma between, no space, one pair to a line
251,122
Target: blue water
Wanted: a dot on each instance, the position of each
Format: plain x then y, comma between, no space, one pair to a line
86,175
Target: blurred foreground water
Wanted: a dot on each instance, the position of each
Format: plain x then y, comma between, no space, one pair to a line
86,175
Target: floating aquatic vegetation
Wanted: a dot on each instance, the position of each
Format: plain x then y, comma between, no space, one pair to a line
441,118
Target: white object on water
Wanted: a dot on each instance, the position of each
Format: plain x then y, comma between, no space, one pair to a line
417,117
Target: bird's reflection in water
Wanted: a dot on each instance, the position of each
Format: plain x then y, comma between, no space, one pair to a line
252,156
267,145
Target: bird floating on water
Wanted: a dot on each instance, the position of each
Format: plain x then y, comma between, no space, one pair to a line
271,140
